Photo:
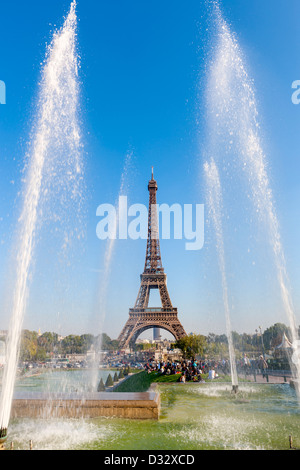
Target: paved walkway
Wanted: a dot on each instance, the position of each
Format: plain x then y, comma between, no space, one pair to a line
271,379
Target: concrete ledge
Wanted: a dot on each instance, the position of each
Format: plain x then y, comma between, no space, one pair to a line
90,405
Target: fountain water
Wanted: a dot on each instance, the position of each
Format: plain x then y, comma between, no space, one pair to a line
107,267
54,168
265,419
214,201
232,114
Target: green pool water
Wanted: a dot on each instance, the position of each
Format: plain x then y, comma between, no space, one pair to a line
193,417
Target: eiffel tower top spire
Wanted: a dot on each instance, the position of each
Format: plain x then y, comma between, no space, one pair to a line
153,263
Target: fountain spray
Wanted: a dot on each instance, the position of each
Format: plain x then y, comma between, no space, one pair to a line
53,168
232,113
110,246
214,201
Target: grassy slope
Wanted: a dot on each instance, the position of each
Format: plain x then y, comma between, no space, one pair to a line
141,381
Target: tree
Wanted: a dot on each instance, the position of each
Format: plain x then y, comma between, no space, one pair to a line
86,342
101,386
41,354
191,345
217,349
48,341
114,344
109,381
72,344
28,347
104,342
272,336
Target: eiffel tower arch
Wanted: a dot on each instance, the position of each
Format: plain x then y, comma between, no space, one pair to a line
141,317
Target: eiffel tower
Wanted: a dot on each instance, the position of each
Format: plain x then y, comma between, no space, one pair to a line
141,317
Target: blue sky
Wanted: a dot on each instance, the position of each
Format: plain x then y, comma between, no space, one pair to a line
142,80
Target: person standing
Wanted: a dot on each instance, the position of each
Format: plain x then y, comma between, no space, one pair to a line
262,365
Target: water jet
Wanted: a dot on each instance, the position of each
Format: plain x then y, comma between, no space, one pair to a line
54,169
215,204
235,147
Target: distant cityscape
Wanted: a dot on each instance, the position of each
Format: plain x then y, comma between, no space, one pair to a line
53,350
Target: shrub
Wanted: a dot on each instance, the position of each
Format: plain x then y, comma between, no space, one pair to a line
101,386
109,381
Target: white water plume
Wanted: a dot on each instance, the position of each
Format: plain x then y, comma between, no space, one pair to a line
214,201
54,169
59,434
108,254
235,136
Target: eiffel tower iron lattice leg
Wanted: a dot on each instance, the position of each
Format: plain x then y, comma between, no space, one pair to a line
141,317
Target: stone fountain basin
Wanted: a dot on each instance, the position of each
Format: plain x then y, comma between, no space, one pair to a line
144,405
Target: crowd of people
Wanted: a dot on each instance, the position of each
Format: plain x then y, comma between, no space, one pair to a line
192,370
187,370
247,365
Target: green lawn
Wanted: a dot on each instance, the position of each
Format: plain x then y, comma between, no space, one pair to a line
157,377
141,382
135,383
